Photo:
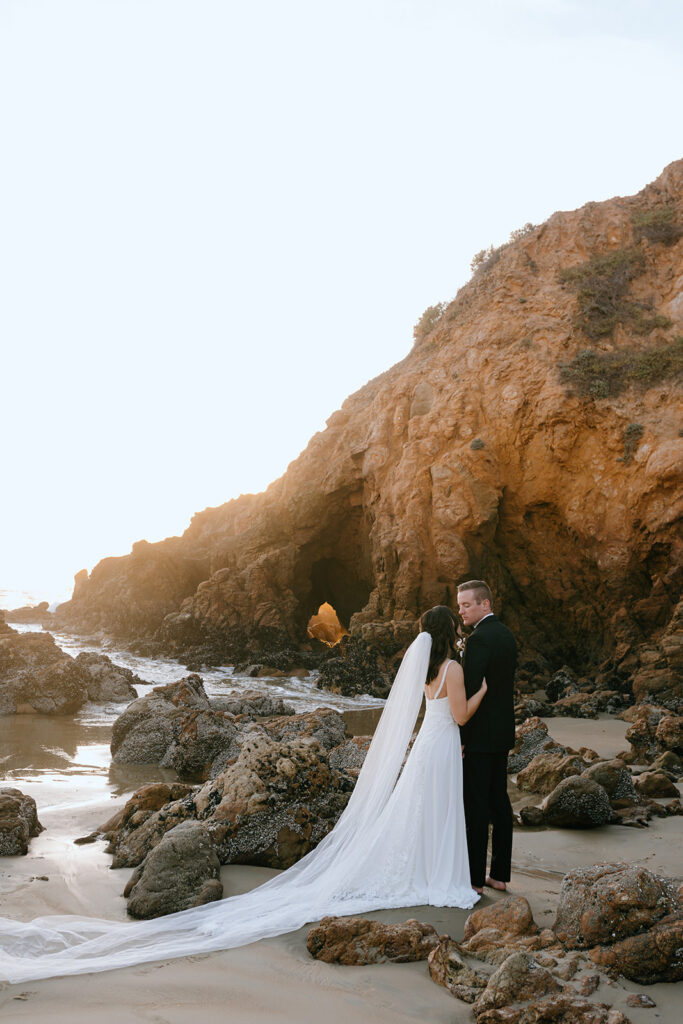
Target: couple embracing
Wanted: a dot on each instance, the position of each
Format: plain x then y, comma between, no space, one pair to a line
414,832
480,698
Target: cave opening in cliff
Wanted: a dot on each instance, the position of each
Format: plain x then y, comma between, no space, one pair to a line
325,625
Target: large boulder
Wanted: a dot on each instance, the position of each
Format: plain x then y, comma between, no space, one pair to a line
270,806
275,803
182,871
656,784
547,770
607,902
36,676
355,941
531,738
175,727
615,779
507,926
106,681
18,822
652,956
577,802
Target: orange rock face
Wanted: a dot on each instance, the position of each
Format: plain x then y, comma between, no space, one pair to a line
470,458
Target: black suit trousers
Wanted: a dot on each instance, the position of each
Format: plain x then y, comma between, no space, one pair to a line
487,801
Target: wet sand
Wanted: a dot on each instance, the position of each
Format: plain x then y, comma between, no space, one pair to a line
276,979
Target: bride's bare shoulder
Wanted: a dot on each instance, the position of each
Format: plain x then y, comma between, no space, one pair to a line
454,672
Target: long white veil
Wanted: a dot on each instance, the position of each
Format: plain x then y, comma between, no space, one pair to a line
318,885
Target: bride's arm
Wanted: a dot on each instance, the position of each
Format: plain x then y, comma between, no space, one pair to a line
462,709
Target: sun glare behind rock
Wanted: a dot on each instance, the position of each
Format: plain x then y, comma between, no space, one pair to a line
325,626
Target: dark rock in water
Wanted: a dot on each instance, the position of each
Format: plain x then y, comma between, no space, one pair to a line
18,822
106,681
353,669
656,784
447,968
652,956
174,726
531,738
615,779
561,684
29,613
252,703
357,941
604,903
182,871
577,802
518,978
37,676
547,770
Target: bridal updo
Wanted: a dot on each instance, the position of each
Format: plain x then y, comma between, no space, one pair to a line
441,623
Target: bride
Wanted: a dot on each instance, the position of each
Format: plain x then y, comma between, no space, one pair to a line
398,843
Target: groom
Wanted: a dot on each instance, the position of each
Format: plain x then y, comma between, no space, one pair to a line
490,653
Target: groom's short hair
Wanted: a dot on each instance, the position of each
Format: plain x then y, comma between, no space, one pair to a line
482,591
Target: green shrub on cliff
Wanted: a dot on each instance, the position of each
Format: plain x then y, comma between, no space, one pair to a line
632,435
486,258
658,225
601,285
603,374
428,321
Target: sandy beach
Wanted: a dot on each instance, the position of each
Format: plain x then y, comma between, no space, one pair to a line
276,979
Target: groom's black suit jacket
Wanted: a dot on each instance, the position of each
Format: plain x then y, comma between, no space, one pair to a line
491,652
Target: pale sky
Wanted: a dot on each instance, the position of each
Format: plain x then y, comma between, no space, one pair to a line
220,218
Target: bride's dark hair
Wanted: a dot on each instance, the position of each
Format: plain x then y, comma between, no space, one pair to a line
441,623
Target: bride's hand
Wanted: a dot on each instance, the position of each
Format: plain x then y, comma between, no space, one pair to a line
484,687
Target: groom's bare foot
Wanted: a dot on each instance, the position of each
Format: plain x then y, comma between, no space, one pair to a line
478,890
493,884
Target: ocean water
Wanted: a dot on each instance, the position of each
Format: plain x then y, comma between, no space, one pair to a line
10,598
64,760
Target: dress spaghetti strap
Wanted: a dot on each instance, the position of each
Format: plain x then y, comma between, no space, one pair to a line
443,677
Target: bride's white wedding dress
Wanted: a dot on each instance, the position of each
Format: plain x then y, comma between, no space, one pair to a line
398,844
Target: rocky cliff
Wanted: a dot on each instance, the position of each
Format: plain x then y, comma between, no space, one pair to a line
532,437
